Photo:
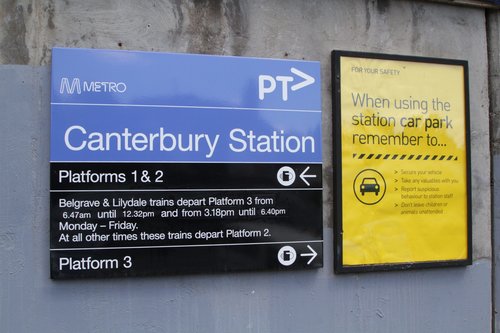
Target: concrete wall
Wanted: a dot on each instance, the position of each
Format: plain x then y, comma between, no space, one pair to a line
494,89
437,300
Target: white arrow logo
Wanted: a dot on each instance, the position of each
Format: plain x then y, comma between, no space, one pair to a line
307,79
303,176
313,254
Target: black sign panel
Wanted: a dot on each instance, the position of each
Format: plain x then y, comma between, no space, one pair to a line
201,225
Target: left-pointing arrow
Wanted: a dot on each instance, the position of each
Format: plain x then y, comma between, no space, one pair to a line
308,79
311,254
303,176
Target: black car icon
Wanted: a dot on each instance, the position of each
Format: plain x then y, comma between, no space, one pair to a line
369,184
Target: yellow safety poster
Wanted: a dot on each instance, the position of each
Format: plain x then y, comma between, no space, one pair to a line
402,157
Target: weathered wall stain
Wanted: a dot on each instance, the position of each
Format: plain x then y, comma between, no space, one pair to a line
367,14
10,255
383,6
13,48
179,19
328,197
50,9
493,36
418,14
238,24
205,27
215,23
7,239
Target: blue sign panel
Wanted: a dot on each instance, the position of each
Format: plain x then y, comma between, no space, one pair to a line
135,134
140,106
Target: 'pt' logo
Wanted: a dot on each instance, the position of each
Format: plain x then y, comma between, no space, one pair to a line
267,83
76,86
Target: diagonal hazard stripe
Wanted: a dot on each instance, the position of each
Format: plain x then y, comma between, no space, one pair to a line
403,157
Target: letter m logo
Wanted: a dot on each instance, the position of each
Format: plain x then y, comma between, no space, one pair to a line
70,89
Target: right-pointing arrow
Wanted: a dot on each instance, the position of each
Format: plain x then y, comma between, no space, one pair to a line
308,79
312,254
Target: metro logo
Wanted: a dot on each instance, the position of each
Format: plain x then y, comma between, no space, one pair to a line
90,86
70,89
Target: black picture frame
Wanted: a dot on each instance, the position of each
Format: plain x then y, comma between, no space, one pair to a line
339,266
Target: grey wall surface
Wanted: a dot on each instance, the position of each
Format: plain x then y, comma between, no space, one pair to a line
437,300
493,27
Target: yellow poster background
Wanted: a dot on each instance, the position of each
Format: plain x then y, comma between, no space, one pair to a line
422,216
